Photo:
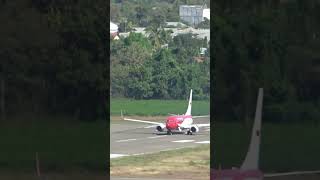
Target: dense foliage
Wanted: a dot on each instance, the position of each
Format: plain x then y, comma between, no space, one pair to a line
142,68
54,58
269,44
156,66
140,12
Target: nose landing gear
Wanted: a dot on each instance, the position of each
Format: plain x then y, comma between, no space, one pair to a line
189,132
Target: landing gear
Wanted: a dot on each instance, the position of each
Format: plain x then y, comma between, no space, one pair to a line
169,132
189,132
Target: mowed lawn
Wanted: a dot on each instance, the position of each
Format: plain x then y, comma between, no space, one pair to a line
193,163
157,107
284,147
61,146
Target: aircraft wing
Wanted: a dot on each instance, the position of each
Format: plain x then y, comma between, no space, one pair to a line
200,116
189,126
202,125
143,121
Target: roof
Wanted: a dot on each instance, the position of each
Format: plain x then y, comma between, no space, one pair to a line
192,6
176,24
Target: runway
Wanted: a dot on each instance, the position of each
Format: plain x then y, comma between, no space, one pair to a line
133,138
119,178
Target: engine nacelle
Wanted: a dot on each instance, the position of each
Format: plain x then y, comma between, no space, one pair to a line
194,128
160,128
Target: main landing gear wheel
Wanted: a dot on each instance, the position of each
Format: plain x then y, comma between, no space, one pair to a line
189,133
169,132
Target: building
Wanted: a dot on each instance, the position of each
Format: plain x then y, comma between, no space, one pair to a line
193,14
113,30
206,13
198,33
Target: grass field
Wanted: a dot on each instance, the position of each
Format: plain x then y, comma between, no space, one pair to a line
284,147
157,107
186,163
62,146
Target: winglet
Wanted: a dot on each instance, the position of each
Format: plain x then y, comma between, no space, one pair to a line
251,161
190,104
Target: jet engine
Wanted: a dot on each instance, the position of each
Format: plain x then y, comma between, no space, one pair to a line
194,128
161,127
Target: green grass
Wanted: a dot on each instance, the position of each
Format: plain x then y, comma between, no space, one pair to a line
195,161
157,107
142,160
284,147
62,146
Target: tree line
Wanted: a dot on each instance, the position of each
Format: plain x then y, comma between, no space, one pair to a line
269,44
140,12
159,66
54,58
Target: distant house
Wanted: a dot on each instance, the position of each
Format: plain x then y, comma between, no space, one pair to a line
193,14
113,30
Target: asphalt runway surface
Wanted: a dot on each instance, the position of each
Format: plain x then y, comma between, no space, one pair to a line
119,178
134,138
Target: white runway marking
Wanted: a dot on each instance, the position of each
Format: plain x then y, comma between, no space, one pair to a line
126,140
153,137
203,142
116,155
183,141
291,173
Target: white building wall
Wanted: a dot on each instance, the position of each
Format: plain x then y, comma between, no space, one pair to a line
191,14
113,27
206,13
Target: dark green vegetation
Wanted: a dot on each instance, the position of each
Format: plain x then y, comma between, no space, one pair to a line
140,12
274,45
157,66
53,64
283,147
269,44
142,69
62,146
53,58
156,107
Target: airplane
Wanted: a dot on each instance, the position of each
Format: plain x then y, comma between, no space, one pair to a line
249,169
177,122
